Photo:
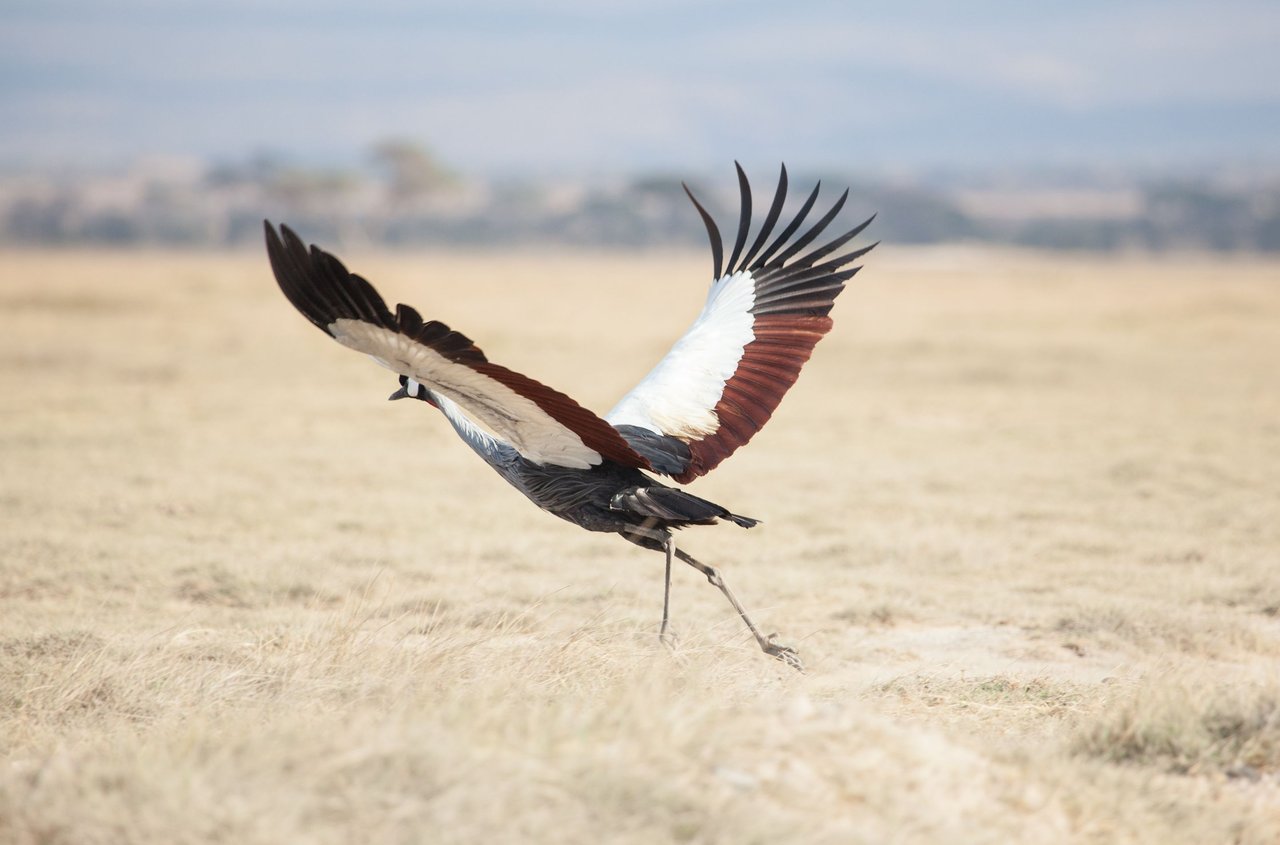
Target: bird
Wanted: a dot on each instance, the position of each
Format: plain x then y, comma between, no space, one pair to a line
766,309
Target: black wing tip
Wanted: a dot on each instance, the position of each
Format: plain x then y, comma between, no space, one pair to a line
275,238
744,219
713,232
277,230
286,239
777,255
318,284
770,220
272,237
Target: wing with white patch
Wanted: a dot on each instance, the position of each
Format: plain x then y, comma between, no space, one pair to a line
765,312
544,425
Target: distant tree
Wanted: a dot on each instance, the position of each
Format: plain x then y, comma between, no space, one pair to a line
413,171
259,168
310,188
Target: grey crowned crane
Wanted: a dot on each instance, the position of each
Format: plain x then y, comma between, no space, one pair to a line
713,391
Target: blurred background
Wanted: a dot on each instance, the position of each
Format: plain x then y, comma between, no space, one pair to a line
1092,125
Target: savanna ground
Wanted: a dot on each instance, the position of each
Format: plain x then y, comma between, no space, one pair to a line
1022,520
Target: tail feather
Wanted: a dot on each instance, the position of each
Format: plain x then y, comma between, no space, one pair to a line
676,506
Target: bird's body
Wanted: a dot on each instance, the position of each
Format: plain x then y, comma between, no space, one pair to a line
716,387
607,497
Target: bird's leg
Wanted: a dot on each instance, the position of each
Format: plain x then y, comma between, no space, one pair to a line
784,653
668,639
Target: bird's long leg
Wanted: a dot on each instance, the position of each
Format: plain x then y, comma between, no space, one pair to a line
648,530
669,545
784,653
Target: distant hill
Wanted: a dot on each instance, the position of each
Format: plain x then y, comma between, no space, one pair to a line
404,197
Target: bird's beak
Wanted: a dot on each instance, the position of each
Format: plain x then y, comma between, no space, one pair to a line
402,393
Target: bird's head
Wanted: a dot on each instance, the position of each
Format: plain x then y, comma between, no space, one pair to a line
411,389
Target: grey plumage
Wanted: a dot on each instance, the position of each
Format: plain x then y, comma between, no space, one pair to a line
607,497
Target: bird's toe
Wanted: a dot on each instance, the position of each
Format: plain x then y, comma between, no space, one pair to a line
785,653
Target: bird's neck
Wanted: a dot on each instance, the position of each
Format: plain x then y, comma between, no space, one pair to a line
482,443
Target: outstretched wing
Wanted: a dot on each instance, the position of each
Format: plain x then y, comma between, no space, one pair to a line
544,425
765,312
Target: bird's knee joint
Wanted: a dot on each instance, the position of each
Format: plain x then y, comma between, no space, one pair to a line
713,577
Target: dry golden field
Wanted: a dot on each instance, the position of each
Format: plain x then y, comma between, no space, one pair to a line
1022,520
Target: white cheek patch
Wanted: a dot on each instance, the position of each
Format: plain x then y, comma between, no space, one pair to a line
412,388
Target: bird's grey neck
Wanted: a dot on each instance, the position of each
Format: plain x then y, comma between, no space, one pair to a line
485,445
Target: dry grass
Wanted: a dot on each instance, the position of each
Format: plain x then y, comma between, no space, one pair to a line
1022,521
1193,724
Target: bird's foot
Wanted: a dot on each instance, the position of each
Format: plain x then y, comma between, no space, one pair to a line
668,638
785,653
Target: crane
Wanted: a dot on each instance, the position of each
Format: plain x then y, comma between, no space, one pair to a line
767,308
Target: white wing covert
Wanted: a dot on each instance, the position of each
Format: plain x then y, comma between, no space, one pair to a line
764,314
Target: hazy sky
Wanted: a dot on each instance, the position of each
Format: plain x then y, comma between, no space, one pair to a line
589,85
